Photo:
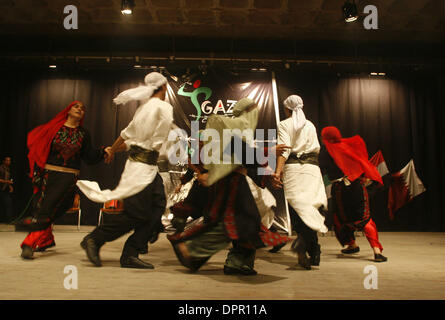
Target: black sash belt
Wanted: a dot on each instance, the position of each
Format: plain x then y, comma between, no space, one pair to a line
311,158
139,154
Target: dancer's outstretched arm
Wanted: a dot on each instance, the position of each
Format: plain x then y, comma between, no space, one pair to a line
118,146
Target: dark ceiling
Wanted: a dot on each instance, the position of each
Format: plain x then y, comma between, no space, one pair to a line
281,29
399,20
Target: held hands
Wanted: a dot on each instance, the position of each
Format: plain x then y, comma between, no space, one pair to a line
109,155
279,149
203,179
276,180
178,188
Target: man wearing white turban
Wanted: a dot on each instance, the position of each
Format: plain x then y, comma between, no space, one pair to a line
140,185
302,181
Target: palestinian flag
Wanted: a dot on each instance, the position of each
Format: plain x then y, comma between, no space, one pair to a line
404,187
379,162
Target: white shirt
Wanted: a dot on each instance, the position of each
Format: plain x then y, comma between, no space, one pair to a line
149,129
150,126
304,141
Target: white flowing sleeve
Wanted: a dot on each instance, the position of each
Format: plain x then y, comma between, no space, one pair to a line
130,131
164,124
312,138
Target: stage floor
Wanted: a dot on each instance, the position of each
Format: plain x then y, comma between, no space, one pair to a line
415,270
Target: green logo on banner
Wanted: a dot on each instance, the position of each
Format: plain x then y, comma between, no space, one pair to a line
194,95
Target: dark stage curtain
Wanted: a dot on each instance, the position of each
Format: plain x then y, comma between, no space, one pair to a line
401,115
28,101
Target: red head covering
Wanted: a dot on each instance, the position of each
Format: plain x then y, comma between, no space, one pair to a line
349,154
40,138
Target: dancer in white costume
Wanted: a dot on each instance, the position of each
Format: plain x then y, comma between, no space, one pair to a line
140,185
301,176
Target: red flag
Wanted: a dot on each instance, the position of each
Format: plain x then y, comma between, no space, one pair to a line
404,187
379,162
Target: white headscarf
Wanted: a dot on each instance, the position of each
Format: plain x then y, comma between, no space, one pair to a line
153,81
295,103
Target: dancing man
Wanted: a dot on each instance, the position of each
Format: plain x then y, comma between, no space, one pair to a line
230,212
302,180
55,153
345,161
140,186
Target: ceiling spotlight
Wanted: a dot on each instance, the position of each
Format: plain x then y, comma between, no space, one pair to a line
52,66
137,66
350,12
127,7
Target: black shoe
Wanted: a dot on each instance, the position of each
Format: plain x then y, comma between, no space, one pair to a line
314,256
244,270
186,262
277,248
92,251
135,262
380,258
45,247
27,252
350,250
304,261
299,246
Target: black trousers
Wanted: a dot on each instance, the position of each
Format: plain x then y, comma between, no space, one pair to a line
142,213
6,206
309,236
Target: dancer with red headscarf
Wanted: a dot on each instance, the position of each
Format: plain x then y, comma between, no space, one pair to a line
345,161
55,153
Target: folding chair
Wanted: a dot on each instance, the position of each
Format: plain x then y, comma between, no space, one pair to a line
111,207
76,209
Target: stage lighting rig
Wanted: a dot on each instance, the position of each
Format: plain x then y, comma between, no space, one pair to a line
350,12
127,7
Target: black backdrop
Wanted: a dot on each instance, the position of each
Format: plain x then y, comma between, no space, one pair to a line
400,114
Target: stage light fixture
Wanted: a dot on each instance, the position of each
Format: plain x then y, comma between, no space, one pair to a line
350,12
52,66
127,7
137,66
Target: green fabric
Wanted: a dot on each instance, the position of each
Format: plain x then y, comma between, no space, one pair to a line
243,120
208,243
239,257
